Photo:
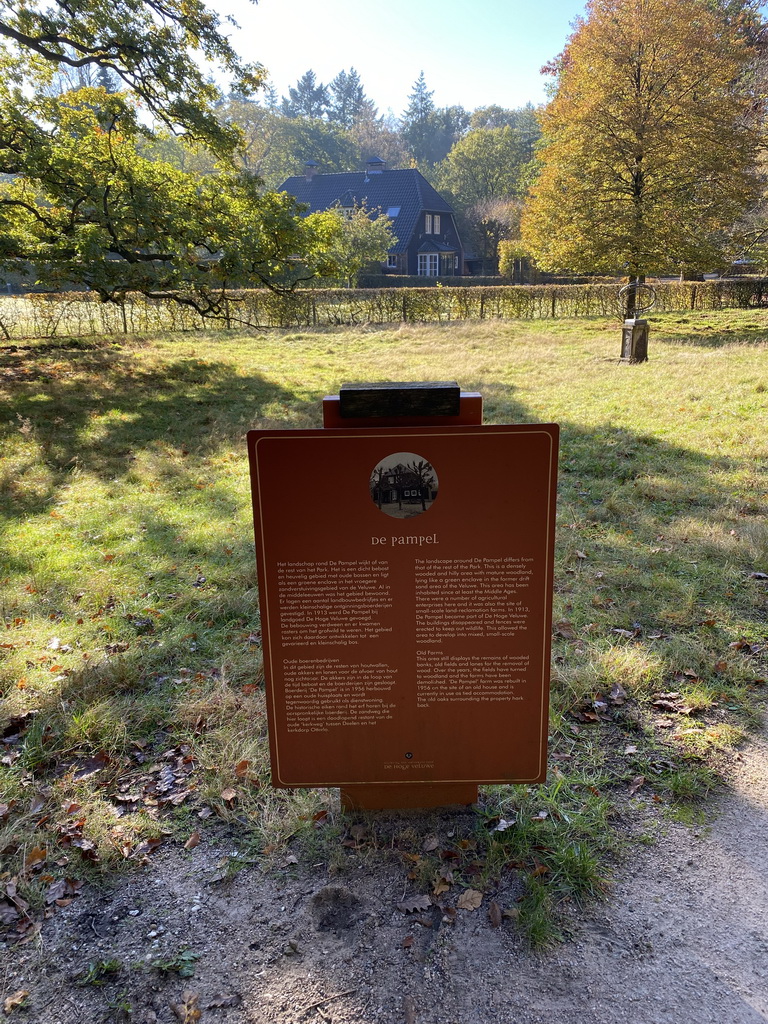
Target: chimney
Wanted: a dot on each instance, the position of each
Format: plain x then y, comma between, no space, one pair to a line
310,169
375,165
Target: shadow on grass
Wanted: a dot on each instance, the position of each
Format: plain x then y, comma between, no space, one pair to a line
97,410
740,334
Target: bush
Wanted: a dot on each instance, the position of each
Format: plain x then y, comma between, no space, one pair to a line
80,314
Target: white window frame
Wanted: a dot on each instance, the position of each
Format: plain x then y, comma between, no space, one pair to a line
436,223
429,264
427,223
392,261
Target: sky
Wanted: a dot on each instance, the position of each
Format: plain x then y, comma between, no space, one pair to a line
475,55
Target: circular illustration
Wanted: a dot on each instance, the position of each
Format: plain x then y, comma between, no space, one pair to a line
403,485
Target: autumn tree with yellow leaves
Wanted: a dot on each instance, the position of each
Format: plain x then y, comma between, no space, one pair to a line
651,141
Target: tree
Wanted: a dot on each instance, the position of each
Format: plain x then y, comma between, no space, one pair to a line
84,197
486,174
348,102
309,98
99,213
650,141
418,122
355,239
379,136
149,45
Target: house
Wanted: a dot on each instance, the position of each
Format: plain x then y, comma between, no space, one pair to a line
428,242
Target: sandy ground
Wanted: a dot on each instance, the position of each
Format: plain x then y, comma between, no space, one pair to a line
683,939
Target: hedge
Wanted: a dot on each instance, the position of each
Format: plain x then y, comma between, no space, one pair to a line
78,314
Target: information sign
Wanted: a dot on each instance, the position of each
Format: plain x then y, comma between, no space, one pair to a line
405,577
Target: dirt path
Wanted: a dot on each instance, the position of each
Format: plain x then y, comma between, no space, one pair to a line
683,939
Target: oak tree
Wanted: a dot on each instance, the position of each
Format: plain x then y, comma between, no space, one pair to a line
83,196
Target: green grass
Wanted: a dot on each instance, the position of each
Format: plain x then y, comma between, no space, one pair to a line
131,641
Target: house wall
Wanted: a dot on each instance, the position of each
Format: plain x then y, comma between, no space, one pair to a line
448,234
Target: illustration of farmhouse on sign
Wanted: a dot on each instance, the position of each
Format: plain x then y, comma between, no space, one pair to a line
428,242
403,485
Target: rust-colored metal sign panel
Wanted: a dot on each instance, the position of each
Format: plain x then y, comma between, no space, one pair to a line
406,585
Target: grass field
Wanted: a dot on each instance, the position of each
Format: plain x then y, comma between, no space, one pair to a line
133,710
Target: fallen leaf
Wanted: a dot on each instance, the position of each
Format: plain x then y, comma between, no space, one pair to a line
32,933
630,748
91,765
55,891
187,1010
441,886
193,841
494,914
414,904
147,847
758,575
565,631
16,1000
241,769
470,899
407,942
504,824
35,856
618,694
720,666
228,795
637,783
665,705
430,843
539,868
581,554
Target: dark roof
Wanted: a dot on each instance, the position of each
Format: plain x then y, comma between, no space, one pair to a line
406,188
432,245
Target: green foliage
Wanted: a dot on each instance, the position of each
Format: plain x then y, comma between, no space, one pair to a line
351,240
347,100
183,963
147,45
90,195
81,314
308,98
100,972
486,173
123,499
93,210
430,132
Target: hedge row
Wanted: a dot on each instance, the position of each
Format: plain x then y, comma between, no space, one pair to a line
81,313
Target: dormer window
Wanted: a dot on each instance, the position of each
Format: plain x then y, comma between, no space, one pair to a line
347,212
436,223
428,223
